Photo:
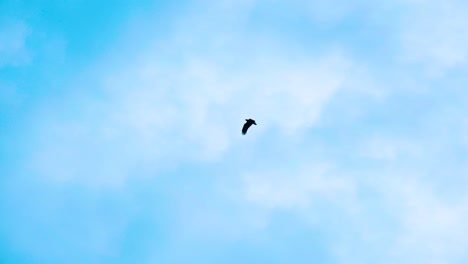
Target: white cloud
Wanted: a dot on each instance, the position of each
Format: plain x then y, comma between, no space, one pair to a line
433,229
386,149
186,98
435,33
297,190
153,111
389,213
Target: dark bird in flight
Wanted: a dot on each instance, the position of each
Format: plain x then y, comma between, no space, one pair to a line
247,125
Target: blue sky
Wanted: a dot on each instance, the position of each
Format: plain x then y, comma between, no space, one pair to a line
120,131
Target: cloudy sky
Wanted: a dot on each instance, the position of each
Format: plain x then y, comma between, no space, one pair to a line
120,132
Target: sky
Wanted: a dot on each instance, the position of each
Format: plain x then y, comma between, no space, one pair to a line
120,131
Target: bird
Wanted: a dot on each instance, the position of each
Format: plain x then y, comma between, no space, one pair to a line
247,125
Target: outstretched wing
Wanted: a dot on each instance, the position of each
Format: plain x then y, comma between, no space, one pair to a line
245,127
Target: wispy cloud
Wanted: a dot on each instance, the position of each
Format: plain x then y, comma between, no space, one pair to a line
358,156
435,33
158,109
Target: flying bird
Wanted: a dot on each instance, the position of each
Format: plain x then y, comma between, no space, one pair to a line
247,125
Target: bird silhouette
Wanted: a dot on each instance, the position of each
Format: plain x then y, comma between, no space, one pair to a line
247,125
